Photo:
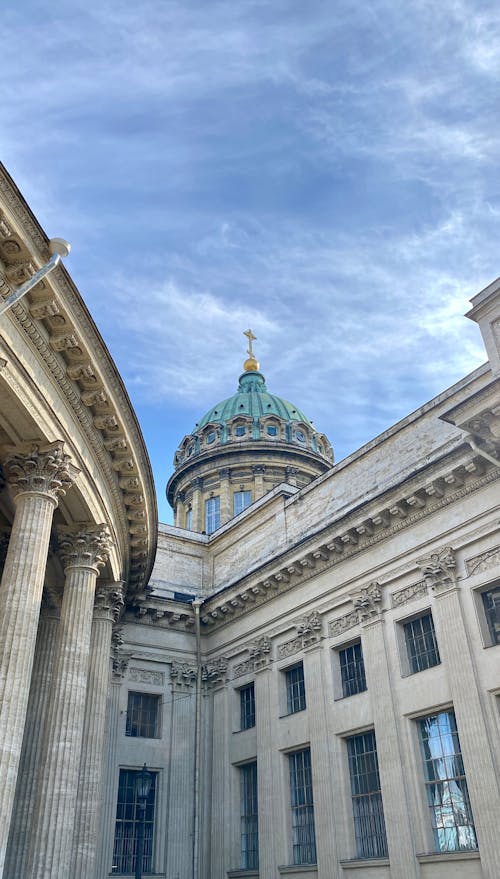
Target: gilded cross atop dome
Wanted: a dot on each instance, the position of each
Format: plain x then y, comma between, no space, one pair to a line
251,364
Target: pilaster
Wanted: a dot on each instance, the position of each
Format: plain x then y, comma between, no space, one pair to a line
390,757
38,474
258,471
198,524
225,496
83,551
269,795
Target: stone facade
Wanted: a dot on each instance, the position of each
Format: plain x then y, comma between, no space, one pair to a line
282,678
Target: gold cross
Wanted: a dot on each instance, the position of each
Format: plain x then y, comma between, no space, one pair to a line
251,338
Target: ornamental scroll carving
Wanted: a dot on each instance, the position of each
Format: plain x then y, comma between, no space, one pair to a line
483,562
308,633
40,468
119,659
214,672
144,676
439,569
409,593
367,601
259,657
108,601
183,675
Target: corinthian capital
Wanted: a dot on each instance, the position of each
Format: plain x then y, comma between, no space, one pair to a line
108,601
85,546
39,467
439,569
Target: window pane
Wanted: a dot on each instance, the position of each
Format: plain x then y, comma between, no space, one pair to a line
212,514
369,825
446,786
421,644
301,796
352,670
142,716
249,817
295,690
491,603
241,500
247,707
128,816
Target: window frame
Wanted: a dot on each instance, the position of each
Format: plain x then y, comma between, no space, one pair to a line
215,499
301,801
249,856
246,716
407,670
342,681
247,492
129,715
290,696
485,626
373,845
126,841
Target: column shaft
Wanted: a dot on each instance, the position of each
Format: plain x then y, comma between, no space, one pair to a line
20,599
22,815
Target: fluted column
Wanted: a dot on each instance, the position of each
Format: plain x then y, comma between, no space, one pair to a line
38,475
83,553
107,606
36,717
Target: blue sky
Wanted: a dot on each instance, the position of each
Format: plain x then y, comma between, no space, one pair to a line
324,172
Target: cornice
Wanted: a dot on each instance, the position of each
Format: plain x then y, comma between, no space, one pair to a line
58,327
401,508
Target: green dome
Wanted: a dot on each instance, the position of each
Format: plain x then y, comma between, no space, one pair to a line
252,399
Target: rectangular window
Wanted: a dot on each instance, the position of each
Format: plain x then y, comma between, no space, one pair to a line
352,670
301,798
368,812
128,816
212,514
295,690
445,783
491,604
189,519
421,644
247,707
241,500
143,716
249,817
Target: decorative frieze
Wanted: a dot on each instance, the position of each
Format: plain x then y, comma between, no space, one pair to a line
344,623
145,676
483,562
308,633
409,593
439,569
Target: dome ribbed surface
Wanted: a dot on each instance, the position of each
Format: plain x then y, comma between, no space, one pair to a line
252,399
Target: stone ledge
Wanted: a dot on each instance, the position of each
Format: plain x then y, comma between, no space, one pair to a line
439,857
290,869
243,874
356,863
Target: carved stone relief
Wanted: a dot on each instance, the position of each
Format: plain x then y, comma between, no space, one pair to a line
409,593
483,562
144,676
439,569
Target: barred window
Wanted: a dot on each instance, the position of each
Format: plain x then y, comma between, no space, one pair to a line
301,796
421,644
446,785
249,817
368,812
295,690
212,514
241,500
128,816
247,707
143,716
491,604
352,670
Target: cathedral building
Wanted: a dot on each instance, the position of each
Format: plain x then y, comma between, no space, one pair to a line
300,678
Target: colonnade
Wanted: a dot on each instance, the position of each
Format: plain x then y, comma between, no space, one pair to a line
54,672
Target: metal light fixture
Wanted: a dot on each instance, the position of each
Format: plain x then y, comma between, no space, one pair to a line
59,248
143,782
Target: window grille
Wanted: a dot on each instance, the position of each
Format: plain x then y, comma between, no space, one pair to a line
212,514
128,816
241,500
421,644
295,690
368,812
352,670
301,796
142,716
491,604
247,707
446,785
249,817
